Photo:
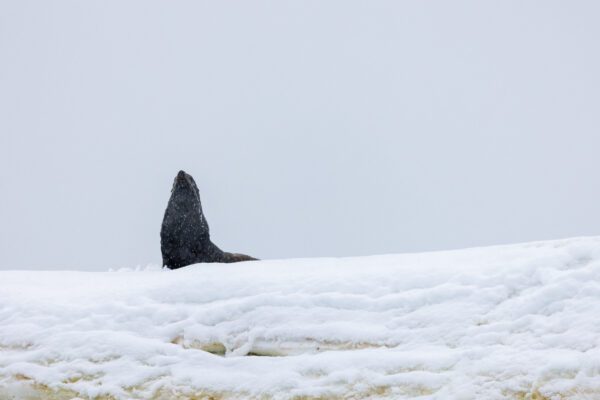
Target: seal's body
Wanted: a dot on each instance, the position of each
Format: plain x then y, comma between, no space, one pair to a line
184,235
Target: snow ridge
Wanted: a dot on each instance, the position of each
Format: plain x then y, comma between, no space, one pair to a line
515,322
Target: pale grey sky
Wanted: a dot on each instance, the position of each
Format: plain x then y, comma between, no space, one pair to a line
313,128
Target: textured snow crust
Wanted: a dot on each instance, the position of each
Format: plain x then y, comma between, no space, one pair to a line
505,322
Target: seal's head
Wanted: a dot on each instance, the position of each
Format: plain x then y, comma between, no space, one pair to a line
184,204
184,194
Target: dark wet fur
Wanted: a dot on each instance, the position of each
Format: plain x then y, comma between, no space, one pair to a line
184,236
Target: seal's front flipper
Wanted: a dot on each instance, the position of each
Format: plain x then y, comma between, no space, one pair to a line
236,257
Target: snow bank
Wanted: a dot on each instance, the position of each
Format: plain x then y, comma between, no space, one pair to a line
515,322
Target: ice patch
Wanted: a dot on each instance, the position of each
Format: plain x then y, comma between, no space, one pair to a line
515,322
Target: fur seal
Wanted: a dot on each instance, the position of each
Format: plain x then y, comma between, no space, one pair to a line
184,235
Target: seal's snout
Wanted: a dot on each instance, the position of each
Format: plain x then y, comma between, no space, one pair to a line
182,179
181,182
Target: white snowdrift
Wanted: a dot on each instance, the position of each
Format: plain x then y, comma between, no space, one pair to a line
514,322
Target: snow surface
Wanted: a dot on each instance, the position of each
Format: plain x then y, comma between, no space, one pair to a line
516,322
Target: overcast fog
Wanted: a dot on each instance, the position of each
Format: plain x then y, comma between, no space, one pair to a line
335,128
